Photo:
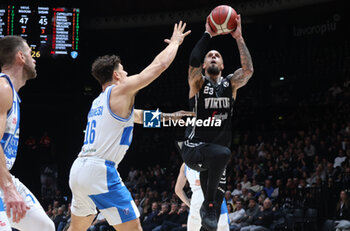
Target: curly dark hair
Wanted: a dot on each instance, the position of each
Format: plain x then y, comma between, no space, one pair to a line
103,67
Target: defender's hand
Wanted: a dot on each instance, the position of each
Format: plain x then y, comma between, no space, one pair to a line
178,33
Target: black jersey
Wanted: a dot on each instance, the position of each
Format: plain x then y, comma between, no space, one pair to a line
215,102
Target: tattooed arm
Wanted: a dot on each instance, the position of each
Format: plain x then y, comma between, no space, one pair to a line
241,76
195,80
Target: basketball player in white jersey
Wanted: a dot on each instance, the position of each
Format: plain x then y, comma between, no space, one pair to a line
197,198
18,206
94,180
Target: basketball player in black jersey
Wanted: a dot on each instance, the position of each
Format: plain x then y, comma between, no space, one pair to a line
206,149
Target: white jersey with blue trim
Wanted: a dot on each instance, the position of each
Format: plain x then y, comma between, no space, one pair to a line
107,136
9,141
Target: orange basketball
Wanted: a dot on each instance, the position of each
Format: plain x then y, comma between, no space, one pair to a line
222,19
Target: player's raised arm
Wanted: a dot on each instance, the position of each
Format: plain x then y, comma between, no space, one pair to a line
241,76
196,59
180,184
161,62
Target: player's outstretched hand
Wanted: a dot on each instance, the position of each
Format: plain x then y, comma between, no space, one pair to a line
15,202
238,32
178,33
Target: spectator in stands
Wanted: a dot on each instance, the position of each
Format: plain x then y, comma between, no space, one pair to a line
138,205
309,148
268,188
54,213
245,182
181,221
341,220
300,165
146,207
161,216
342,209
228,197
339,159
319,173
237,190
252,210
263,219
255,187
177,218
244,195
149,223
236,216
229,210
276,190
49,210
60,217
258,176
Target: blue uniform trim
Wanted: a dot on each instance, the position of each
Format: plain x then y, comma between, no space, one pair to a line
1,206
118,195
224,207
114,115
126,136
113,178
31,197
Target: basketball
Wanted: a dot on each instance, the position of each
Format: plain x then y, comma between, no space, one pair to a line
222,19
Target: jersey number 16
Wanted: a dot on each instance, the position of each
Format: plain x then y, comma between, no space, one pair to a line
90,132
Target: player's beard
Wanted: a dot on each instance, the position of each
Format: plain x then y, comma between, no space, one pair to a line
29,71
213,70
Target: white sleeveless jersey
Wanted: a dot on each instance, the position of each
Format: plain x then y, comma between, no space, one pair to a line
9,141
107,136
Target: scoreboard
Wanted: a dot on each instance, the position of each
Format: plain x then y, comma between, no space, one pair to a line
47,30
